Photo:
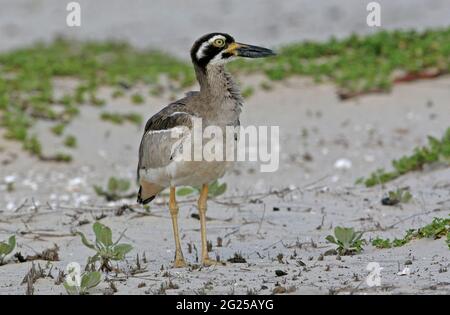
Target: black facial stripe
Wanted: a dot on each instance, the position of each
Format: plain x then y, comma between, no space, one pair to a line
227,55
210,51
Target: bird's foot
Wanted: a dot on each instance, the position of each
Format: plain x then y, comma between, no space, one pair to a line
179,263
207,262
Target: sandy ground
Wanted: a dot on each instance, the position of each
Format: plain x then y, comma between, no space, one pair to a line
174,25
277,221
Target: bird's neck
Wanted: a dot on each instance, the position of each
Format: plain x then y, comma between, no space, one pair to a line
217,83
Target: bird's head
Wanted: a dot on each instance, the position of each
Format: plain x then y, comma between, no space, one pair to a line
219,48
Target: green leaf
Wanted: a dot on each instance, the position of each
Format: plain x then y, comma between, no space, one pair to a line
218,190
90,280
12,242
393,195
448,239
123,185
344,235
103,234
185,191
71,290
4,248
98,190
121,250
7,248
406,197
381,243
331,239
213,186
85,241
113,184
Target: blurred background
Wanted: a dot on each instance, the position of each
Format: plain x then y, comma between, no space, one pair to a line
44,87
320,72
174,25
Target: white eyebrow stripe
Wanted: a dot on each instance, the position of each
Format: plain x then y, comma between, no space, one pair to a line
201,50
178,113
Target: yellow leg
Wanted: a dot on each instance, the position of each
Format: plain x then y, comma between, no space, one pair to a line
173,207
206,261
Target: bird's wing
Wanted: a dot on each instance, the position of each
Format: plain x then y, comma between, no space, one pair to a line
158,141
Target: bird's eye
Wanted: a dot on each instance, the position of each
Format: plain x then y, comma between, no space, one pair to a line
219,42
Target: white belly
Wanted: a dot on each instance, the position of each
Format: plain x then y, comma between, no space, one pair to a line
181,173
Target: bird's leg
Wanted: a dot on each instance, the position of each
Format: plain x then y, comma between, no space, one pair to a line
173,207
206,261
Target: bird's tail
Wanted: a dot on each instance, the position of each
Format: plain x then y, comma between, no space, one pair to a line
143,201
147,192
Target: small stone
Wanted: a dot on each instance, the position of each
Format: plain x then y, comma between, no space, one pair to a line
330,252
280,273
344,164
301,263
10,179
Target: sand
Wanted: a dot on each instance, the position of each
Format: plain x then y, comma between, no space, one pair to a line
276,221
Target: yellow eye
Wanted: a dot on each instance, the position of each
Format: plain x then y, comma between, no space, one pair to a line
219,42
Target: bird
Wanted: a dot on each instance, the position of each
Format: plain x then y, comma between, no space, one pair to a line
217,103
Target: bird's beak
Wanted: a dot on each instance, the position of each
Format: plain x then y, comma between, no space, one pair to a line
249,51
